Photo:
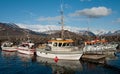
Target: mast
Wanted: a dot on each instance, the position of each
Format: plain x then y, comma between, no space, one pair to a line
27,35
62,20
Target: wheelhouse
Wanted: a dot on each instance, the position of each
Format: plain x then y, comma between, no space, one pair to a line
60,43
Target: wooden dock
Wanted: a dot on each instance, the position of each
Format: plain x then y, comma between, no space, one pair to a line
94,58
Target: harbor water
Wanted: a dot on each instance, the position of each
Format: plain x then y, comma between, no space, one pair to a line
16,63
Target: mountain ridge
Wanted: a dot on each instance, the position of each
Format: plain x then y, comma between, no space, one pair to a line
14,31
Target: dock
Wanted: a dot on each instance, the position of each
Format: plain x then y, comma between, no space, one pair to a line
94,58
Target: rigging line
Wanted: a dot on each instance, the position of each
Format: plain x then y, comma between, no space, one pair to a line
62,20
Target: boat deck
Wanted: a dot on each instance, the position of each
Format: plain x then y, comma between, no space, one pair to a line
59,52
100,59
93,57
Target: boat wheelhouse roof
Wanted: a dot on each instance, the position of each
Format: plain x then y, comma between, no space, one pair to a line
62,41
96,41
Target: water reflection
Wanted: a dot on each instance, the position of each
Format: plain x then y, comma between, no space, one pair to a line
21,57
14,63
8,55
26,60
24,57
62,66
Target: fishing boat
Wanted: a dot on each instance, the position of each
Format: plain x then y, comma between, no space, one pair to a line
99,46
26,48
8,46
60,48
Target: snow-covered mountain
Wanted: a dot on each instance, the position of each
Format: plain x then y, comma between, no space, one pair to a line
86,33
51,31
13,29
117,32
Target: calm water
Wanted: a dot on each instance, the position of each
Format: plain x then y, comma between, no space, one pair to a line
14,63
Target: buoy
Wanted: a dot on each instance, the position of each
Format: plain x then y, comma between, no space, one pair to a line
56,59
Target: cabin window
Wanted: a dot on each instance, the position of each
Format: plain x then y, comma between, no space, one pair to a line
49,42
60,44
55,44
64,44
71,44
67,44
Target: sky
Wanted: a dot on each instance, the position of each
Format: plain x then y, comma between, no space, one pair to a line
98,16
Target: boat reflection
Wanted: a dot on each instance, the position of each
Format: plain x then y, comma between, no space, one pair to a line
8,55
61,66
26,58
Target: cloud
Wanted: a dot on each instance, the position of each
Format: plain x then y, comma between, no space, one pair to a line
85,0
67,6
56,18
94,12
53,20
29,13
118,20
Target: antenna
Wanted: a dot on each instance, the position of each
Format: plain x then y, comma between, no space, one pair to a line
26,32
62,20
88,20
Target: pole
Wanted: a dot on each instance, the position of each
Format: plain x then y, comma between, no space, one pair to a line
62,20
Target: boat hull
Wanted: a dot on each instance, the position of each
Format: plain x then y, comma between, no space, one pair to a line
9,49
64,56
26,51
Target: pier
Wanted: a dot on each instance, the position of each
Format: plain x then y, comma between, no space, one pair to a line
94,58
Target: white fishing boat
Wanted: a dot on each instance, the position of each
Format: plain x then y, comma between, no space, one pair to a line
99,46
8,46
26,48
110,46
60,48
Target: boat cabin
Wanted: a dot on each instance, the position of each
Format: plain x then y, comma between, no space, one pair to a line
25,44
60,42
97,41
7,44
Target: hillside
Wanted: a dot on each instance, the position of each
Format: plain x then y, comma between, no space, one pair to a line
12,29
12,32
